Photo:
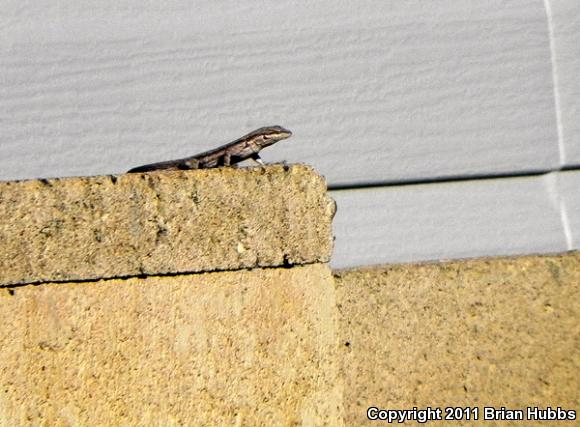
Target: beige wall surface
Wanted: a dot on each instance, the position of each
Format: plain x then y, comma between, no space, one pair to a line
487,332
234,348
281,345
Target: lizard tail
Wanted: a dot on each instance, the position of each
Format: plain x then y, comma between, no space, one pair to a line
155,166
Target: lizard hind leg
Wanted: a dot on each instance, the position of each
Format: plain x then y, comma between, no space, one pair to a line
189,164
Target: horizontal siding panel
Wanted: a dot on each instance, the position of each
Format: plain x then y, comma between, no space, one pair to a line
564,19
374,91
569,191
447,220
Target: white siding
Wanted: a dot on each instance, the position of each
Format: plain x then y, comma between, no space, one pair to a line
374,91
564,24
569,198
450,220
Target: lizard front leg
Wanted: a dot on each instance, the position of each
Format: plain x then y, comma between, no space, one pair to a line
227,159
256,157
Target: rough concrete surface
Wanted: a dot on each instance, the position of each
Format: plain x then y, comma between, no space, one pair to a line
162,222
485,332
230,348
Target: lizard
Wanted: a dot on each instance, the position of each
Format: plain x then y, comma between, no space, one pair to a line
246,147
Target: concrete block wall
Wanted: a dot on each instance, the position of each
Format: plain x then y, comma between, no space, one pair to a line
206,298
162,223
111,317
501,332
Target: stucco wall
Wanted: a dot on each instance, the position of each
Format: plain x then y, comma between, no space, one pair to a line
273,338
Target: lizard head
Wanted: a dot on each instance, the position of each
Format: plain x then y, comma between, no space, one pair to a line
269,135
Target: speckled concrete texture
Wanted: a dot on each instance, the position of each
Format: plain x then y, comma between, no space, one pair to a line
485,332
162,223
243,348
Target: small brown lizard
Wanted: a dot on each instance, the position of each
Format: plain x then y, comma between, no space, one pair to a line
246,147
